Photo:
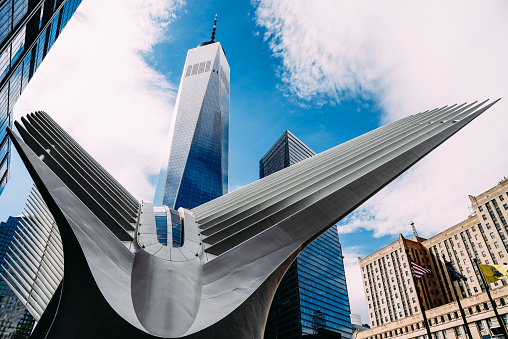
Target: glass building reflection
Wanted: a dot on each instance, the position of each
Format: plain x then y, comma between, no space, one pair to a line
28,30
312,296
196,168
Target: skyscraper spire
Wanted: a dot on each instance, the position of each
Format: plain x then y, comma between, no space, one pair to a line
214,26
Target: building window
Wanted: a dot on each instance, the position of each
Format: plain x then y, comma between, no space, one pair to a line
473,229
488,263
484,217
468,270
483,254
456,237
396,296
410,290
458,331
405,265
480,208
501,255
471,278
365,283
461,253
475,290
480,245
439,245
501,198
370,305
505,319
414,301
407,273
416,309
492,235
476,237
488,226
496,245
480,325
465,262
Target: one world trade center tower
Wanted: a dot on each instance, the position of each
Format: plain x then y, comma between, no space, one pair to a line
196,168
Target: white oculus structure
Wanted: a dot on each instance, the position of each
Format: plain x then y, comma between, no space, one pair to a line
121,282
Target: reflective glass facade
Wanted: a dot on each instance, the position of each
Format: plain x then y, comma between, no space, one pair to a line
28,30
15,320
312,296
196,168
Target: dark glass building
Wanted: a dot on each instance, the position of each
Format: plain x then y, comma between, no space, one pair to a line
28,30
15,320
195,170
311,300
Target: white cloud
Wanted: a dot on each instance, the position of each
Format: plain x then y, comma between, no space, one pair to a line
355,290
409,57
97,86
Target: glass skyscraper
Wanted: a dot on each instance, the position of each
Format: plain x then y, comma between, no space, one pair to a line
28,30
312,296
196,168
15,320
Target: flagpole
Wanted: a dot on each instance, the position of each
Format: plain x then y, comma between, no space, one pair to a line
425,321
492,302
466,326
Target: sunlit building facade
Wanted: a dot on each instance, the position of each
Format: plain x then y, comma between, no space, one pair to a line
312,297
15,320
28,30
196,168
389,286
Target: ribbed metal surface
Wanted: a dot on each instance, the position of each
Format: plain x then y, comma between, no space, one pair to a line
274,198
95,187
35,268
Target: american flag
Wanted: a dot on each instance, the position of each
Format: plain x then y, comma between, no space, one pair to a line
418,270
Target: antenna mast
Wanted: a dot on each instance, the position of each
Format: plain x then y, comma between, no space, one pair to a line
214,26
414,229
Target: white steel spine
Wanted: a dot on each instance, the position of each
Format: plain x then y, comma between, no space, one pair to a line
322,174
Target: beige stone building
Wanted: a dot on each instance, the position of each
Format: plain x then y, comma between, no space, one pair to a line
390,289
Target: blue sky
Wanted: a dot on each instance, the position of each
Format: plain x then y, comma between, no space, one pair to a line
326,71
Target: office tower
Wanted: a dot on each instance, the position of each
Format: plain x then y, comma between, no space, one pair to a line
28,30
196,168
313,293
15,320
390,287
